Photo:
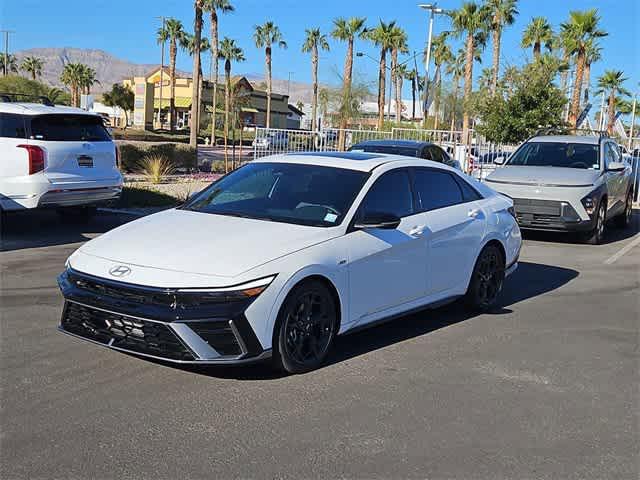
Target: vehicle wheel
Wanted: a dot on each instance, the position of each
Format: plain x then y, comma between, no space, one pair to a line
595,236
624,219
76,214
486,280
307,325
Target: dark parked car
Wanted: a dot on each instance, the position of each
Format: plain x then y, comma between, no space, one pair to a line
408,148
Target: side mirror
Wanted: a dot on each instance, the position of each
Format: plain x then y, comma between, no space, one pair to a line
500,160
386,221
616,167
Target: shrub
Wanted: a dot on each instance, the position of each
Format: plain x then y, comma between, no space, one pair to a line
156,168
180,156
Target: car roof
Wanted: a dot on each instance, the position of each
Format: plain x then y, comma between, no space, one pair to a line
392,143
361,161
25,108
589,140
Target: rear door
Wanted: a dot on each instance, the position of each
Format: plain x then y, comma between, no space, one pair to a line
77,147
455,226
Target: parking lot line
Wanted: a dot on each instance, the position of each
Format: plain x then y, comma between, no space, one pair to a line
613,258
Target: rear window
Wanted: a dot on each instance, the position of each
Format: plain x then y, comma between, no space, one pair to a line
69,128
12,126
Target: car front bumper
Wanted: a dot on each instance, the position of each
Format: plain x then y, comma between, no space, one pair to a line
549,215
144,321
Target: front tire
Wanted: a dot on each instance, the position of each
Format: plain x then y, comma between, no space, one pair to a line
307,326
486,280
595,236
624,219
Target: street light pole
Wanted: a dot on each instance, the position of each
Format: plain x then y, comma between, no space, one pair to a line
6,51
633,121
434,10
161,70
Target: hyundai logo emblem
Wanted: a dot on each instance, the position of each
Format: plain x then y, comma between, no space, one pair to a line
120,271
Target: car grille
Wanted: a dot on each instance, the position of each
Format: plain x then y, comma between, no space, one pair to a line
120,331
543,212
219,335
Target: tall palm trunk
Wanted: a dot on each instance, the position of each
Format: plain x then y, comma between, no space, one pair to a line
381,87
200,85
611,114
227,101
394,79
195,91
413,97
214,71
575,97
468,78
346,94
585,83
173,52
314,74
536,49
564,75
436,99
399,81
268,68
497,34
456,87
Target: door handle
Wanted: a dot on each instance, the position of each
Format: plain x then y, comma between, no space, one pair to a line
474,213
416,231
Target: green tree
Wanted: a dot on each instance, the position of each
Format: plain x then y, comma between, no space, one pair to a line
534,103
229,52
33,88
412,76
8,64
72,76
33,66
471,21
503,13
455,68
441,56
536,34
213,7
195,92
188,43
582,28
346,30
398,45
592,54
88,78
324,97
174,32
314,41
611,84
120,96
265,36
382,37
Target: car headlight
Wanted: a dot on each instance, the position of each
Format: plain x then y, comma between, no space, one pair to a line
589,204
193,297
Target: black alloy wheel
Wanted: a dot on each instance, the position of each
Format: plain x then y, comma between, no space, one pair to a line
307,327
595,236
624,219
486,280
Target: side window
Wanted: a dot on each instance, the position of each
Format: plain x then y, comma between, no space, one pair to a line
468,192
436,189
436,154
610,154
426,153
391,193
12,126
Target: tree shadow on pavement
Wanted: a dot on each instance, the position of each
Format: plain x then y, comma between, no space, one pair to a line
528,281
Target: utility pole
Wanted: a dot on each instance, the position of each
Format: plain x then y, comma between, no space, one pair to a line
600,122
161,70
433,8
5,67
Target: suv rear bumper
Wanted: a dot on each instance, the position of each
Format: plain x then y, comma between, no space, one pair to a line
80,196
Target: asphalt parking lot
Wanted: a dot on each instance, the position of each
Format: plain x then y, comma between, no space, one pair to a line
547,386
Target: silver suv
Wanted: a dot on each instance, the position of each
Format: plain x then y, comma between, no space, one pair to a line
567,183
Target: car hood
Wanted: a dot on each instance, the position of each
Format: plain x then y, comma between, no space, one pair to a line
549,176
202,243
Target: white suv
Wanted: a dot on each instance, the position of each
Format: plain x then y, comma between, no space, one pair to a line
57,157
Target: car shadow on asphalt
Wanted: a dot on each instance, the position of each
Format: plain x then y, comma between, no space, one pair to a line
44,228
528,281
612,233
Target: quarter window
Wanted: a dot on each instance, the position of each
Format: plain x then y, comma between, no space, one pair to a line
391,193
436,189
12,126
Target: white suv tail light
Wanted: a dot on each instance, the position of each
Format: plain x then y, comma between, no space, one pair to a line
36,158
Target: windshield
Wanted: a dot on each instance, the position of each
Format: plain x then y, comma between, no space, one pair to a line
69,128
556,154
283,192
391,149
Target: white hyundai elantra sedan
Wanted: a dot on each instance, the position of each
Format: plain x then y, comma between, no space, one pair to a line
285,253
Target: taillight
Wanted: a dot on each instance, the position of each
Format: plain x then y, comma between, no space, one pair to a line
36,158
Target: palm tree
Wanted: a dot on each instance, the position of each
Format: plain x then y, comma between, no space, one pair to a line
314,41
402,71
174,32
213,7
188,43
612,82
323,102
11,65
346,30
265,36
591,55
503,13
398,45
537,33
470,21
88,79
441,56
72,76
412,76
33,66
195,92
455,68
581,28
382,36
230,52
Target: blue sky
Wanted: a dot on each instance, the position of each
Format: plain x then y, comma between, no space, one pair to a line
126,29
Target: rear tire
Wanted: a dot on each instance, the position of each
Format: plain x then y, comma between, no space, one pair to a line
486,280
595,236
306,328
78,215
624,219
